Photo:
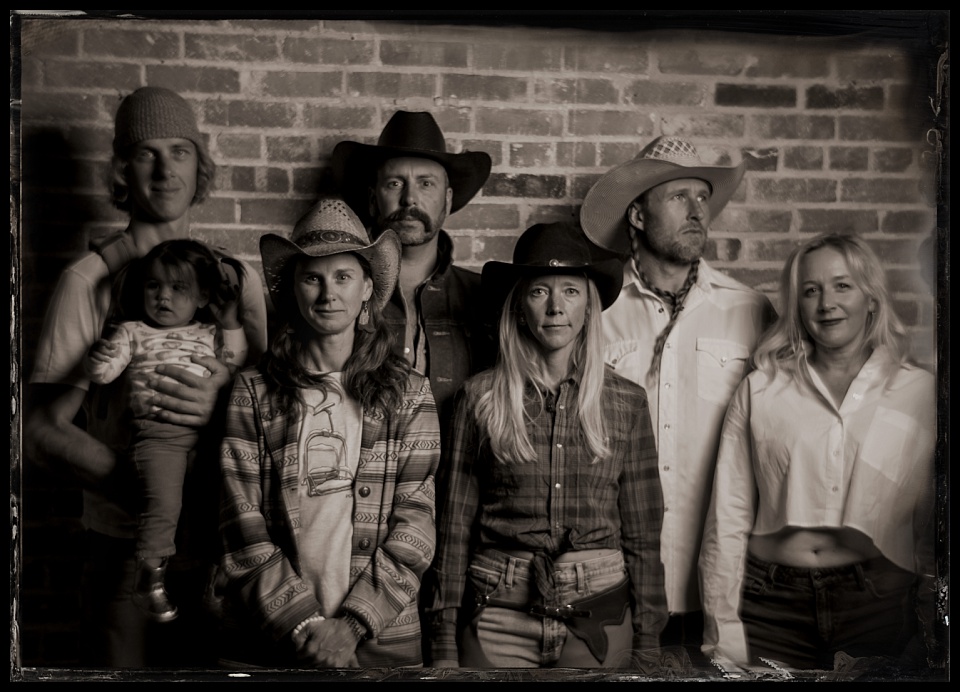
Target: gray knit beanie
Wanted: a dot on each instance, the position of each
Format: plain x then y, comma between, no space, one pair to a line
154,113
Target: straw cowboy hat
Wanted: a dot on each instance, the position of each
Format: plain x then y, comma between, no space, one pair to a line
551,248
330,228
407,134
603,214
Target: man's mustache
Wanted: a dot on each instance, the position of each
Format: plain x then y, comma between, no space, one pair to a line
410,214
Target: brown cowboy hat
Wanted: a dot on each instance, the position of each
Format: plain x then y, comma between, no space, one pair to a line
330,228
552,248
407,134
603,214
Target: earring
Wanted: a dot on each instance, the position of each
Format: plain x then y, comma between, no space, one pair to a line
363,322
522,320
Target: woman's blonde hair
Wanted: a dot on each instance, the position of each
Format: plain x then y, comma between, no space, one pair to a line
500,411
782,347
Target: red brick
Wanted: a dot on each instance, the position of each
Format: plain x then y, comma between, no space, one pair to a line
865,128
880,190
340,118
290,149
50,38
608,58
217,208
755,96
312,181
892,160
250,114
186,79
803,158
156,45
120,76
706,62
847,98
514,121
580,185
911,221
576,154
849,158
765,159
836,221
275,180
492,147
243,178
272,212
713,126
780,190
793,126
227,48
423,52
598,91
531,154
392,85
549,213
60,107
507,56
303,85
482,216
241,242
283,26
496,247
764,280
239,146
554,90
328,51
771,250
644,92
605,123
524,185
876,67
614,153
723,249
484,87
768,220
805,64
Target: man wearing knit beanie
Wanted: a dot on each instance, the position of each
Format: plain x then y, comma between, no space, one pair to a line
161,168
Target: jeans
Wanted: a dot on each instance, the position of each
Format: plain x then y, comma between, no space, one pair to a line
803,616
160,452
504,637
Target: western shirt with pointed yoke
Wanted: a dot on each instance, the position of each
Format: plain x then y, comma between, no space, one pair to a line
790,457
703,360
564,501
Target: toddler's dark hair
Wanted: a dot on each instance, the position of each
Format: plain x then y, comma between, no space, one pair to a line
221,278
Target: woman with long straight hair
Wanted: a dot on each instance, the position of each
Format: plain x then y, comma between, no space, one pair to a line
819,539
549,537
328,463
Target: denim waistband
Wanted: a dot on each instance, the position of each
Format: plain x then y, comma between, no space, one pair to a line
564,571
855,572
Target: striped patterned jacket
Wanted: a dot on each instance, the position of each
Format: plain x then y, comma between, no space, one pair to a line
394,531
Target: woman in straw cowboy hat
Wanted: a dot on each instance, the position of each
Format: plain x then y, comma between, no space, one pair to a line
328,462
548,544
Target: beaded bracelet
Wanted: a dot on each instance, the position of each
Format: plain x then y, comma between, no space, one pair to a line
299,628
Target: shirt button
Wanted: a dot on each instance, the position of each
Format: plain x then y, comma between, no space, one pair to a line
364,491
560,407
559,446
666,427
723,359
835,488
557,486
406,350
666,468
666,386
660,311
365,543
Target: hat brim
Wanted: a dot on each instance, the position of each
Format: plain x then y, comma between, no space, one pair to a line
497,279
603,213
354,166
383,256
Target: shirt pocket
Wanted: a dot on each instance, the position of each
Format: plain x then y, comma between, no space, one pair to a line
720,367
628,360
891,442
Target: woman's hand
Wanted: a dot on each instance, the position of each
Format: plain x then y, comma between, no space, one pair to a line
327,643
185,398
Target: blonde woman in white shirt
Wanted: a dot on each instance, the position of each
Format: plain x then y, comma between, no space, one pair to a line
819,538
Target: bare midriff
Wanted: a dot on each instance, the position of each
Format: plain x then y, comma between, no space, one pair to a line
813,547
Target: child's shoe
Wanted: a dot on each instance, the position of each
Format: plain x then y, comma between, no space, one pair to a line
150,594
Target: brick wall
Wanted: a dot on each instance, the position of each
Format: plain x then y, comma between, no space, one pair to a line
833,130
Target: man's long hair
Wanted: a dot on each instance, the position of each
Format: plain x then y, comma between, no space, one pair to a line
373,374
784,344
501,411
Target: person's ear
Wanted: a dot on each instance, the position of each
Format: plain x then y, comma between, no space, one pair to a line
204,299
119,171
449,199
635,215
367,288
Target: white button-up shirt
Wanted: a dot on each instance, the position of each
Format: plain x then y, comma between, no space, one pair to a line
703,361
790,457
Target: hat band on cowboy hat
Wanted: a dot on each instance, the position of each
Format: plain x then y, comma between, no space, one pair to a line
553,248
330,228
603,214
417,134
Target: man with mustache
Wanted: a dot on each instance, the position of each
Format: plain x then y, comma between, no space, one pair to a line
410,183
681,329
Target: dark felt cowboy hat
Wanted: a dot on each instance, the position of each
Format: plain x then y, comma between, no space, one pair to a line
329,228
407,134
603,214
552,248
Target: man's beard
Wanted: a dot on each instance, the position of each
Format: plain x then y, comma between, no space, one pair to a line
409,235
